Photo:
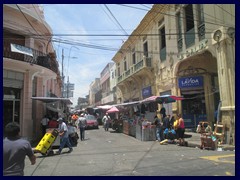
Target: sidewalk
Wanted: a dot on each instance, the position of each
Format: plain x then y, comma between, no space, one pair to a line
193,140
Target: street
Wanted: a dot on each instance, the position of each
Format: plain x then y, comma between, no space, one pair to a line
116,154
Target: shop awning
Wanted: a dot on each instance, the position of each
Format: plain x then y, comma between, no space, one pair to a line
53,99
162,99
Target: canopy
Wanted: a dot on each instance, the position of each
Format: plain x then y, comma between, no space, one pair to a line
52,99
113,110
162,99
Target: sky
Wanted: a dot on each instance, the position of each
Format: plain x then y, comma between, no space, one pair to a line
75,27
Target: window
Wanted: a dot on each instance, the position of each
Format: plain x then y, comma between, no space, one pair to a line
125,65
189,26
133,58
145,49
162,43
201,25
179,26
189,17
200,14
163,39
179,32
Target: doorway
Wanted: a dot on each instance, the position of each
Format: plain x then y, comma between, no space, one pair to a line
11,105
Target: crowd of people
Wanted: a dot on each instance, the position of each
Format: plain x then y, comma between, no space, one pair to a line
170,129
166,128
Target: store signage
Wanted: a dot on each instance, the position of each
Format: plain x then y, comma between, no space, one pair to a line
191,51
146,92
190,82
21,49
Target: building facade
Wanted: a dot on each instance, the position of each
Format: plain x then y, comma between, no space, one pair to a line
93,89
107,95
30,68
185,50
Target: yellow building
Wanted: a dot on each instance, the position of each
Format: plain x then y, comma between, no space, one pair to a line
186,50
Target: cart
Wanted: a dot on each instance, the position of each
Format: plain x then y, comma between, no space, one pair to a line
208,141
48,142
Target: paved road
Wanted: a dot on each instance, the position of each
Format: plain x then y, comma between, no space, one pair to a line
114,154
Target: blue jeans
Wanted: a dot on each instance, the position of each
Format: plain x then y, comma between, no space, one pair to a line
63,141
159,134
82,133
106,126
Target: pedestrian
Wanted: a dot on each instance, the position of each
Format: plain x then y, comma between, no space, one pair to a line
106,121
172,121
82,123
181,130
166,122
53,123
163,112
175,127
15,151
74,117
44,124
159,128
64,139
72,134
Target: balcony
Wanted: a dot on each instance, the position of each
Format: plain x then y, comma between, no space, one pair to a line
146,63
38,58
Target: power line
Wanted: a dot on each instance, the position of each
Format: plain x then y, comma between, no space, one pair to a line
27,19
171,15
115,19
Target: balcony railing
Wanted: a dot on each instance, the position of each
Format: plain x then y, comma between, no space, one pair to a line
180,44
38,58
145,63
201,32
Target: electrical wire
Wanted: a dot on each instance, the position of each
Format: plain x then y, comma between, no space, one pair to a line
26,19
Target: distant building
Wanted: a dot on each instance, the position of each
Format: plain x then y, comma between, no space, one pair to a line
107,95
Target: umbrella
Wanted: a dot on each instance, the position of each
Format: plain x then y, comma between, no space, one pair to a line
113,110
163,99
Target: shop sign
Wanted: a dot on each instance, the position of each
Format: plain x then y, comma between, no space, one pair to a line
191,51
146,92
190,82
21,49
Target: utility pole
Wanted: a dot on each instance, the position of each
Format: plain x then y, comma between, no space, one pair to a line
67,86
62,75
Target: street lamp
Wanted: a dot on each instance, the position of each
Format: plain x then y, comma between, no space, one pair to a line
68,65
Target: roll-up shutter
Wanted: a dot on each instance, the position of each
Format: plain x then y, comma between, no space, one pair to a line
13,79
13,83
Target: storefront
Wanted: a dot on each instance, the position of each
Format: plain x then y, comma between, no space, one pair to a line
193,106
12,88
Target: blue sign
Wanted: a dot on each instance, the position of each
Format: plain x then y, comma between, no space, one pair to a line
146,92
190,82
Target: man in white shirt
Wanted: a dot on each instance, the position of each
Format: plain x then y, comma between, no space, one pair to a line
106,121
63,133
